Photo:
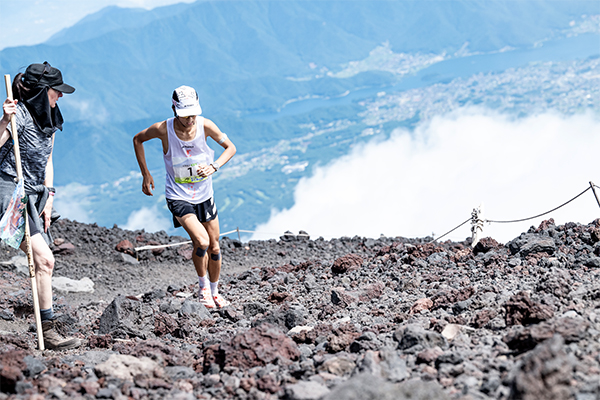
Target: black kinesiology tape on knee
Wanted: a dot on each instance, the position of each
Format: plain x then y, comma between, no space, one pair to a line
216,257
200,252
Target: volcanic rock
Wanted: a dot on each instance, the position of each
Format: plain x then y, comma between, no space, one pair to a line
351,318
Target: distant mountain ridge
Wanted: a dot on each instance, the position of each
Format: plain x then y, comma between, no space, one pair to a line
110,19
239,53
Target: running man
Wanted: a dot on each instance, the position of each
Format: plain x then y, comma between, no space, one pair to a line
189,163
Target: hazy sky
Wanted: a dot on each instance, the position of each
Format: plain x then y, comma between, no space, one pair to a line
28,22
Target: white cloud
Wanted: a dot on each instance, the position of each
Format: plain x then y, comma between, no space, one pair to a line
71,202
149,219
429,181
87,109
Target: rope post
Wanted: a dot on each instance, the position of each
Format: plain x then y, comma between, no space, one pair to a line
238,232
476,225
594,191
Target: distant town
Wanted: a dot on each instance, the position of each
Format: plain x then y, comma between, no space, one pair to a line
566,87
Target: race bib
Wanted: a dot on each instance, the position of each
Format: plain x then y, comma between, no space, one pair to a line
186,169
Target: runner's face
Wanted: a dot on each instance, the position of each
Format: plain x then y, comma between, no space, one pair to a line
188,121
53,96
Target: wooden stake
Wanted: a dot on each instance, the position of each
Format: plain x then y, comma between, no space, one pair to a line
36,302
595,195
476,225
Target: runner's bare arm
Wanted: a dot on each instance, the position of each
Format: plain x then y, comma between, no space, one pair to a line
156,131
212,130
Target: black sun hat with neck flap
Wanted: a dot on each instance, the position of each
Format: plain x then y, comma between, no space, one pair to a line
46,75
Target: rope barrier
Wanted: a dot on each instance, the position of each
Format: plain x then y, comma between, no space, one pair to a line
449,232
592,185
539,215
161,246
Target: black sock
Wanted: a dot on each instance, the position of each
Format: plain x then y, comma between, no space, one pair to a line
47,314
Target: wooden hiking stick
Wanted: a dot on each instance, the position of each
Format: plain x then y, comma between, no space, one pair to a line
36,302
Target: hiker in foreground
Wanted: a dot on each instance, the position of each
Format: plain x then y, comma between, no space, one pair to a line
188,188
37,118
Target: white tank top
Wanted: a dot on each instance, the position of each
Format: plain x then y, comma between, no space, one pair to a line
182,158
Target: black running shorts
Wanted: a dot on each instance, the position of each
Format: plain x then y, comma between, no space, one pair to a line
205,211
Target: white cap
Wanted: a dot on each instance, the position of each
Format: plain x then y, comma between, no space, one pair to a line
185,100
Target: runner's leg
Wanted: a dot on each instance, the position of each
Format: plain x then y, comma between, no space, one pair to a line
199,238
214,251
214,262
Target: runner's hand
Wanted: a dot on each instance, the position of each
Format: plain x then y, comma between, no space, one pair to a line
205,171
148,185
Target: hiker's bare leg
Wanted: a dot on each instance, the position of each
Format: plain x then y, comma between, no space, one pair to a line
43,260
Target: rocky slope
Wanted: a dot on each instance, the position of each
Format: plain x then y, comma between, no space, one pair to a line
350,318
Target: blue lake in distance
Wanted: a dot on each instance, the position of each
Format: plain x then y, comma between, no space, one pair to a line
564,49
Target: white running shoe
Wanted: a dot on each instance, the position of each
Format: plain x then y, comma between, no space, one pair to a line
206,298
220,301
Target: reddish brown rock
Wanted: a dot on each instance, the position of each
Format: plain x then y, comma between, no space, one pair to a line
309,336
545,373
247,383
158,251
125,246
521,310
163,324
258,346
279,297
595,234
8,342
483,317
447,297
90,387
349,262
486,244
545,225
428,356
11,365
100,341
268,383
371,292
524,339
342,337
421,305
185,252
571,329
65,248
